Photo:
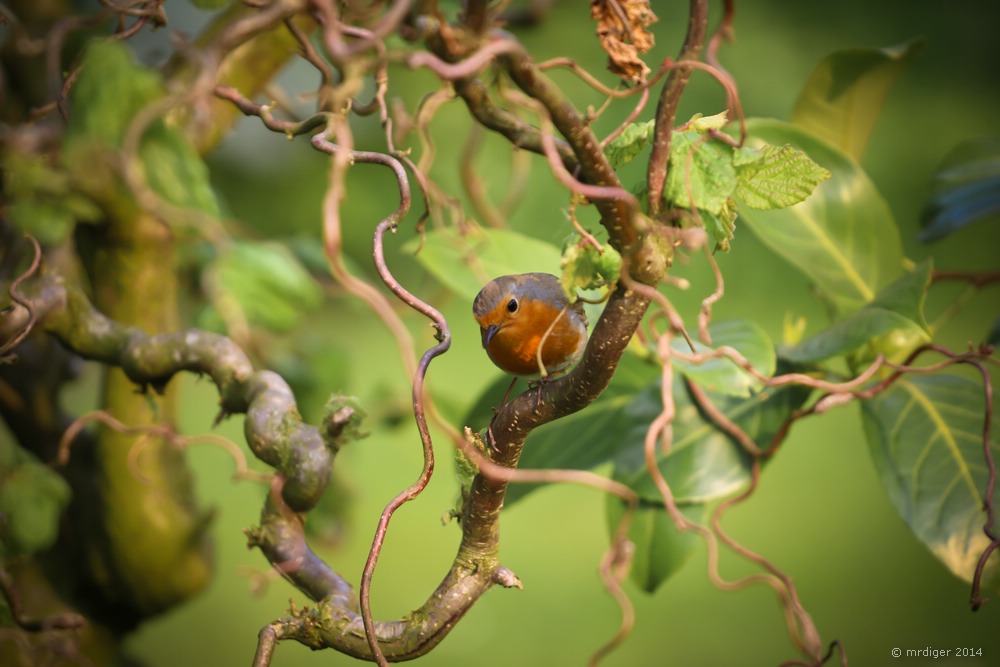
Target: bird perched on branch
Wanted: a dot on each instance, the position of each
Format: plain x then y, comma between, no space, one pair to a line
529,327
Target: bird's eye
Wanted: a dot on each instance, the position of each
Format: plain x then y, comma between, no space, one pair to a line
512,306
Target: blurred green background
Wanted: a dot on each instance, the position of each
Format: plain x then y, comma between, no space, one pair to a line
820,514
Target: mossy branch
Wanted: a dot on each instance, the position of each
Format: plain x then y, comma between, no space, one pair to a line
301,454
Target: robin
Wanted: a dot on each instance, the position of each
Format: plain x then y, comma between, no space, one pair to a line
529,327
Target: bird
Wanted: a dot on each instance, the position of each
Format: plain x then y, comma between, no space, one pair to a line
518,314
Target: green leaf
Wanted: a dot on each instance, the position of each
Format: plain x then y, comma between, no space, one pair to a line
775,176
585,268
111,90
703,123
584,439
965,189
897,308
722,375
843,237
626,146
42,202
849,334
993,337
211,5
906,295
267,283
701,173
703,462
32,498
721,227
925,435
465,262
309,250
660,548
843,97
175,171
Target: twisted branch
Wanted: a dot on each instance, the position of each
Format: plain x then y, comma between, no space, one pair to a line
66,621
666,108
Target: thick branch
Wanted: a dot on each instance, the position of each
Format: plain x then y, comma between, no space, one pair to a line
517,418
670,97
520,134
594,166
618,322
273,428
476,15
243,48
303,457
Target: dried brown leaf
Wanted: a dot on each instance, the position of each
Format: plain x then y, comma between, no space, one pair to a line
621,27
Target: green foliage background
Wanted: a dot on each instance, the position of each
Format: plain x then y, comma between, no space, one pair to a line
820,514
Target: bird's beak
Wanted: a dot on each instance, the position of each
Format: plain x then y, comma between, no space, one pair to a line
488,334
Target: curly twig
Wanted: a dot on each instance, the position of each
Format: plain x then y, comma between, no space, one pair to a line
705,314
490,215
8,590
617,212
614,568
310,55
639,106
596,84
800,625
596,193
724,32
467,68
339,50
520,134
24,303
263,111
162,431
444,342
975,278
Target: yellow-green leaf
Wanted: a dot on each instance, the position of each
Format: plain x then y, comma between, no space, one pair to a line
843,97
111,91
701,173
925,435
722,375
775,176
629,143
660,548
843,237
267,283
584,267
32,498
898,309
465,262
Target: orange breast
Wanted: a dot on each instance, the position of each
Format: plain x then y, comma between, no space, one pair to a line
514,348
